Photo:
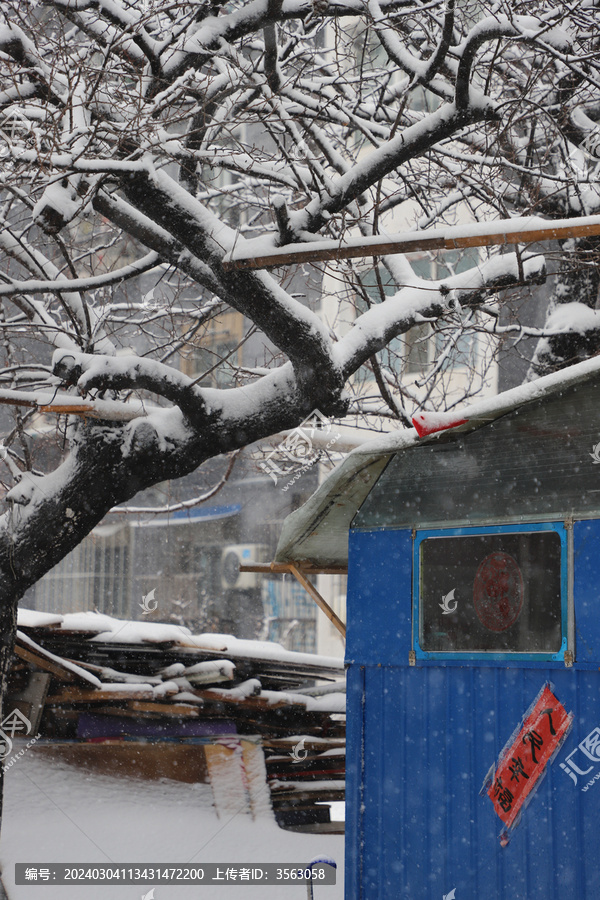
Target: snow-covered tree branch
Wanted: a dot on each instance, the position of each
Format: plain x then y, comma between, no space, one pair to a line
141,142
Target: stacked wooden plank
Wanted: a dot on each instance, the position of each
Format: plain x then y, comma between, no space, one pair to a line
155,700
305,775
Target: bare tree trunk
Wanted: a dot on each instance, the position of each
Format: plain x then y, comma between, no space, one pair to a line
8,627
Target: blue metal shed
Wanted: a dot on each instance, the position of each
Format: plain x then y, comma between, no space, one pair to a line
473,581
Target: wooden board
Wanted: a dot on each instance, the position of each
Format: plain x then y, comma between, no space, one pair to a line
30,701
70,695
499,233
47,665
319,828
179,762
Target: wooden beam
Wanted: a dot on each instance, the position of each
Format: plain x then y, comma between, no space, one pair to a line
165,709
318,744
299,571
503,232
321,603
77,409
69,695
47,662
64,404
138,759
286,568
46,665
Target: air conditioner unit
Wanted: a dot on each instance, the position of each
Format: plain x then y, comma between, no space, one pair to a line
237,555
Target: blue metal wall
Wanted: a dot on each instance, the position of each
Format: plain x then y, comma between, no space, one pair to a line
422,738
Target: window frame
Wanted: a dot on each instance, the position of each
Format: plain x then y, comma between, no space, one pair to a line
421,535
463,360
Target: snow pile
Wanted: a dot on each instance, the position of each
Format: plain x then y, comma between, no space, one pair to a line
576,317
57,814
142,633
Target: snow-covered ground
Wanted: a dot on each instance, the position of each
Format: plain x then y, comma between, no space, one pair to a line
59,813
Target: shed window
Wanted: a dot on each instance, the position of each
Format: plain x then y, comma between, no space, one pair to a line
491,592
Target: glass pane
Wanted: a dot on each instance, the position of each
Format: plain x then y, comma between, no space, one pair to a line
494,592
395,351
371,286
417,348
221,358
464,352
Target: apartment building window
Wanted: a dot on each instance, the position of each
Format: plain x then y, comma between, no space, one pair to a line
216,355
95,575
416,350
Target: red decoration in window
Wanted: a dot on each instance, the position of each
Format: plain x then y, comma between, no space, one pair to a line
498,591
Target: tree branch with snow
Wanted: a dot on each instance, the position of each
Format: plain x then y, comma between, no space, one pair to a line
140,143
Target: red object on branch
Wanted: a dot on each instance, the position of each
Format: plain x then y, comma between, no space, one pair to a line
429,423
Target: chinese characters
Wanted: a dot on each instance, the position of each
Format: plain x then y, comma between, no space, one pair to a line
524,758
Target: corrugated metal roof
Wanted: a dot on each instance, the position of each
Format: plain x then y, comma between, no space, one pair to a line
318,531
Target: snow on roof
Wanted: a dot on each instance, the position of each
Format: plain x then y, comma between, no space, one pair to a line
108,630
318,531
31,618
184,682
122,632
